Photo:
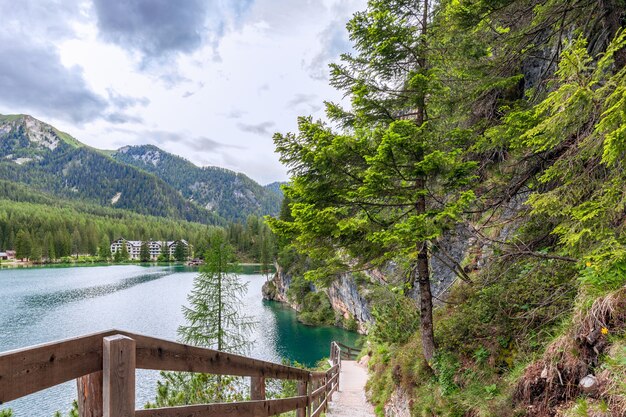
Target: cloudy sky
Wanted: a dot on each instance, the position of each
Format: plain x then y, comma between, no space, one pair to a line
210,80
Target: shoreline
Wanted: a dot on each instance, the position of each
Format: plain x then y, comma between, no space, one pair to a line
93,263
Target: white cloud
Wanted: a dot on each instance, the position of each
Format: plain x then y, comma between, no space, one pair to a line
227,89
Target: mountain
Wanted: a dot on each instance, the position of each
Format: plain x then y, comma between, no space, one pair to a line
40,156
274,187
231,195
143,179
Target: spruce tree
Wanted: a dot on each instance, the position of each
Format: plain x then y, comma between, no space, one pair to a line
214,319
389,184
144,252
104,250
164,256
180,252
23,245
123,253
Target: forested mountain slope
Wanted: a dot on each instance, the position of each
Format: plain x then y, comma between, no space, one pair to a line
490,137
38,155
232,195
144,179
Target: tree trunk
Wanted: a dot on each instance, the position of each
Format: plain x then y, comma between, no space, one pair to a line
613,14
422,267
90,395
426,304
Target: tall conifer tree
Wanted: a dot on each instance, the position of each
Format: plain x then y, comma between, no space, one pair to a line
393,180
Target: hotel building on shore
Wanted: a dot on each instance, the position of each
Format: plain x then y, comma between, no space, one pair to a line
155,246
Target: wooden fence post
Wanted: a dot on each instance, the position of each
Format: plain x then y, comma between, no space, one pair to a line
90,395
338,371
302,390
257,388
309,391
118,366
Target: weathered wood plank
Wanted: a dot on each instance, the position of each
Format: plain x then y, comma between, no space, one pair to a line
257,388
159,354
319,409
244,408
32,369
309,403
28,370
118,368
317,392
302,391
89,399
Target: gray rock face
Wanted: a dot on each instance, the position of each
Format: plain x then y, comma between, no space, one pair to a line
276,289
450,250
399,404
346,299
344,294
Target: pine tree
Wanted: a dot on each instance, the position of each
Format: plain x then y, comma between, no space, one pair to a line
77,242
23,245
213,320
124,255
164,256
36,253
51,250
144,252
394,180
104,250
180,252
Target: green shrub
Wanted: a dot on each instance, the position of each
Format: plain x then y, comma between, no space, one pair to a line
396,318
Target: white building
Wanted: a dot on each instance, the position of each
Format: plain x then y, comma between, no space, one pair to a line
156,247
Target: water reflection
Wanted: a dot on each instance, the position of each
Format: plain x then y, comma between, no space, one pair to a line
57,298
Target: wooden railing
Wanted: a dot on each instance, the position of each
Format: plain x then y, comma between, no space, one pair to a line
104,366
347,352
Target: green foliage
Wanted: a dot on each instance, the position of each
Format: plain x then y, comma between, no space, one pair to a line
214,320
104,249
178,388
73,412
396,317
316,310
123,254
52,224
144,252
180,252
446,366
350,324
253,240
214,317
7,412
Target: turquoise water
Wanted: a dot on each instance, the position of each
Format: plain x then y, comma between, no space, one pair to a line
39,305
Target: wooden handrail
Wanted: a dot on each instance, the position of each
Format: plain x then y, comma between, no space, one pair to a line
104,365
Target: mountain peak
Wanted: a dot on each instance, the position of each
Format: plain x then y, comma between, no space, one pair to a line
40,135
148,154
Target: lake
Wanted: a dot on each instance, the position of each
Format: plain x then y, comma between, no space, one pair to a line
39,305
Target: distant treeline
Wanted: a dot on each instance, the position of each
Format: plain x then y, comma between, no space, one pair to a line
41,228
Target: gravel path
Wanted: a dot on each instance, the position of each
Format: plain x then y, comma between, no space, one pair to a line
350,400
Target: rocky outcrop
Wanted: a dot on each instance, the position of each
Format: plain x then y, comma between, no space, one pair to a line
346,299
399,405
276,288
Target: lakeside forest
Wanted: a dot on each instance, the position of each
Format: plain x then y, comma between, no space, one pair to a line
471,189
42,228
